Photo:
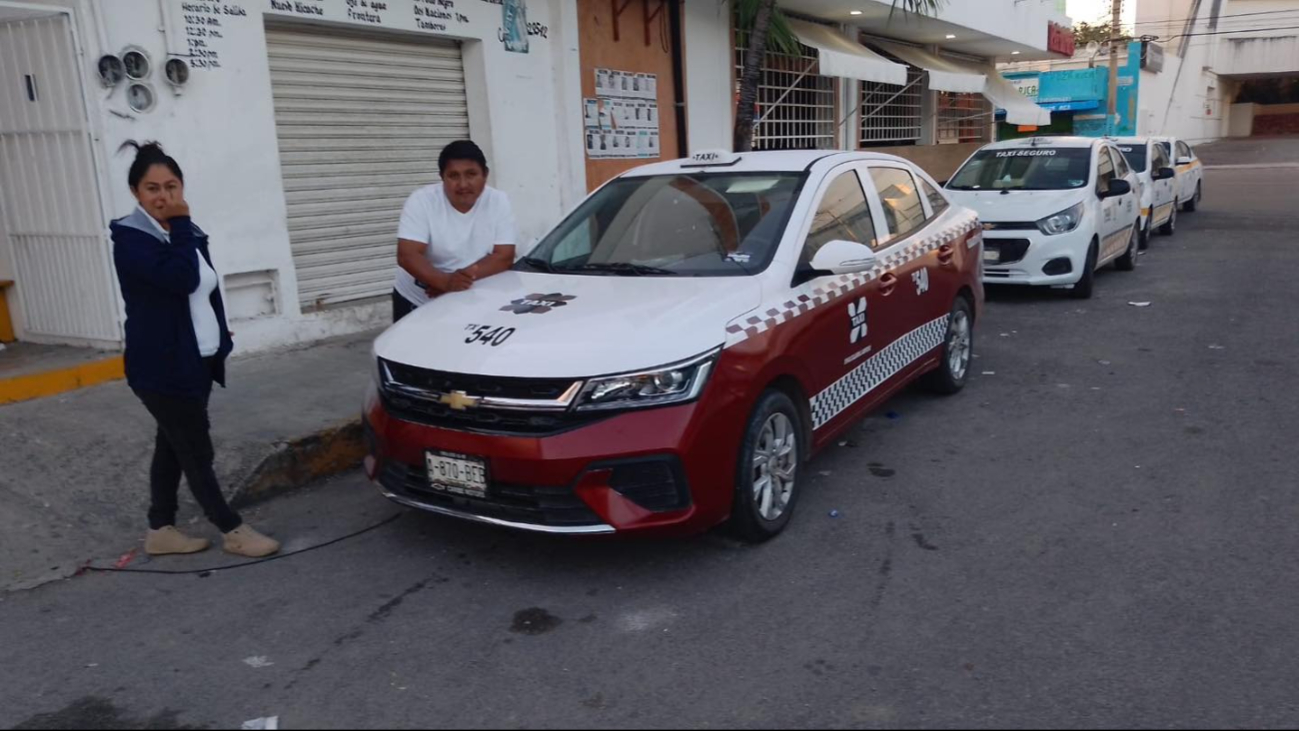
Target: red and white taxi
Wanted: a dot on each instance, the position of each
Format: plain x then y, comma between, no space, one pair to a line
669,356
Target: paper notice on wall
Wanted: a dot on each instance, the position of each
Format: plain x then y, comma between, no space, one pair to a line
622,122
626,84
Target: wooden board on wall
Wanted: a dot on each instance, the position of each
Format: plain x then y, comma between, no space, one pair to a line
598,49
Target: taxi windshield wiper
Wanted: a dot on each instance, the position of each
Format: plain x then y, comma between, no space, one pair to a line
626,269
539,264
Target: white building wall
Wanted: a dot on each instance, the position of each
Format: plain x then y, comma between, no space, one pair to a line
221,126
1253,38
1018,21
710,94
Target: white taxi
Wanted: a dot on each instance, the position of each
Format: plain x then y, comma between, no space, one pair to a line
671,354
1054,210
1190,172
1159,184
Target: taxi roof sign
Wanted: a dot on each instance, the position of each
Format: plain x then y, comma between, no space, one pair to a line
713,158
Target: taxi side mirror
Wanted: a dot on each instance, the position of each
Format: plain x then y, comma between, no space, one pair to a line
1117,188
844,257
1184,161
1165,174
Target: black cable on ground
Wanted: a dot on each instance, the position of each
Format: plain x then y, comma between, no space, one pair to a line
277,557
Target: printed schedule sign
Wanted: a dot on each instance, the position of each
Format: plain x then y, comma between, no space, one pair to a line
622,121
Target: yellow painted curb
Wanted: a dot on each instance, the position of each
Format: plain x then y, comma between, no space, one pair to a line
51,383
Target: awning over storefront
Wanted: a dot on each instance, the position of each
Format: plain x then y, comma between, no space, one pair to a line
1019,110
839,56
949,74
945,74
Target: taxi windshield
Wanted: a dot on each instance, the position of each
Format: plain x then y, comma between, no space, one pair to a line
1136,155
1028,168
685,224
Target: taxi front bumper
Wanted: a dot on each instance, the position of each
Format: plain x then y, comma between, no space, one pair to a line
650,471
1030,257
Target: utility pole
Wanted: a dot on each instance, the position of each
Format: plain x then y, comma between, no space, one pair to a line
1111,122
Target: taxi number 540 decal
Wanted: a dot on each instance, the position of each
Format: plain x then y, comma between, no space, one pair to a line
486,335
921,278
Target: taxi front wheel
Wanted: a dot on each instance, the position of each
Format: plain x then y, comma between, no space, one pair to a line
767,476
958,349
1087,284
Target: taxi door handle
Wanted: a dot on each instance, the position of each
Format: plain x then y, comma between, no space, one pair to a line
946,255
888,283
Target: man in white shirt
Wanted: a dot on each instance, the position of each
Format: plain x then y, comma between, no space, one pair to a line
452,233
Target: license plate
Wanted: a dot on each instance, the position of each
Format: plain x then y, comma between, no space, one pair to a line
992,256
457,474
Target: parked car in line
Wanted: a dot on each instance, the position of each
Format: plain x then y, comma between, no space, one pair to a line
1054,210
671,354
1190,172
1159,184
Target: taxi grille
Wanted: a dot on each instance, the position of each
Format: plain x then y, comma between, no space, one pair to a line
416,398
441,382
1008,251
556,507
1009,226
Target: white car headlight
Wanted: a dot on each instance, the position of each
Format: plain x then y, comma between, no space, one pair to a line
1062,222
671,384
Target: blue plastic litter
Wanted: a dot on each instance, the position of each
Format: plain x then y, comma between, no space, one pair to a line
834,513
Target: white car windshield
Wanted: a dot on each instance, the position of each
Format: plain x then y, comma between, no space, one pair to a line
687,224
1026,168
1136,156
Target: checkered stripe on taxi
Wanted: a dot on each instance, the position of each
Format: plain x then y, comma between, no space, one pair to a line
822,292
877,369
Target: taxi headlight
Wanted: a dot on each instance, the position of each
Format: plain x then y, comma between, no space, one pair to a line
1062,222
671,384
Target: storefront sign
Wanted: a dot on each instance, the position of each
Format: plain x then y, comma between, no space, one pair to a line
1059,39
1026,85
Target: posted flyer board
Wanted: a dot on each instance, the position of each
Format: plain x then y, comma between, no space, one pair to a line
622,121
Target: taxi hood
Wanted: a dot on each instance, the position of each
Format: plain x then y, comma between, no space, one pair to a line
570,325
1018,205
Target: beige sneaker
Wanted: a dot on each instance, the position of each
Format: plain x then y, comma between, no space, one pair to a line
244,541
168,541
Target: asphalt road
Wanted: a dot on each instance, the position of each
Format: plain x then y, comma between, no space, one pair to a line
1101,530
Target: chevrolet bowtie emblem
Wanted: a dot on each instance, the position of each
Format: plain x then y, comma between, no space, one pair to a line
459,400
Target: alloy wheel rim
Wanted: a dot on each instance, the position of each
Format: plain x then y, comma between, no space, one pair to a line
775,463
959,346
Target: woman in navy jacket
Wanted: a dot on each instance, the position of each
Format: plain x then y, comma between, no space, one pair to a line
177,343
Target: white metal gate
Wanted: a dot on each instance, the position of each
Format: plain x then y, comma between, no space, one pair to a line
49,193
360,120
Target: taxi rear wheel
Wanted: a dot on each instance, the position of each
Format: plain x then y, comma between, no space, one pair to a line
958,350
1194,203
767,476
1170,228
1087,285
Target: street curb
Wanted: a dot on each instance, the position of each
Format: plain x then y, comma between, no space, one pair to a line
300,462
62,380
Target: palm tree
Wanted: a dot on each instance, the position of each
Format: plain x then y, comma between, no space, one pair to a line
768,31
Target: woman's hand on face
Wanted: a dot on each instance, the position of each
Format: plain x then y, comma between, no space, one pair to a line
176,208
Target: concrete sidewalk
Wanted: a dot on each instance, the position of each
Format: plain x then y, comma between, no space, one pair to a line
74,475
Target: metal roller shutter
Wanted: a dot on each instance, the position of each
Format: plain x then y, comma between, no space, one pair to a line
360,120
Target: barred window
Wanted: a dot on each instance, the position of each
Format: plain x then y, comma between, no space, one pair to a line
964,118
804,119
892,114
